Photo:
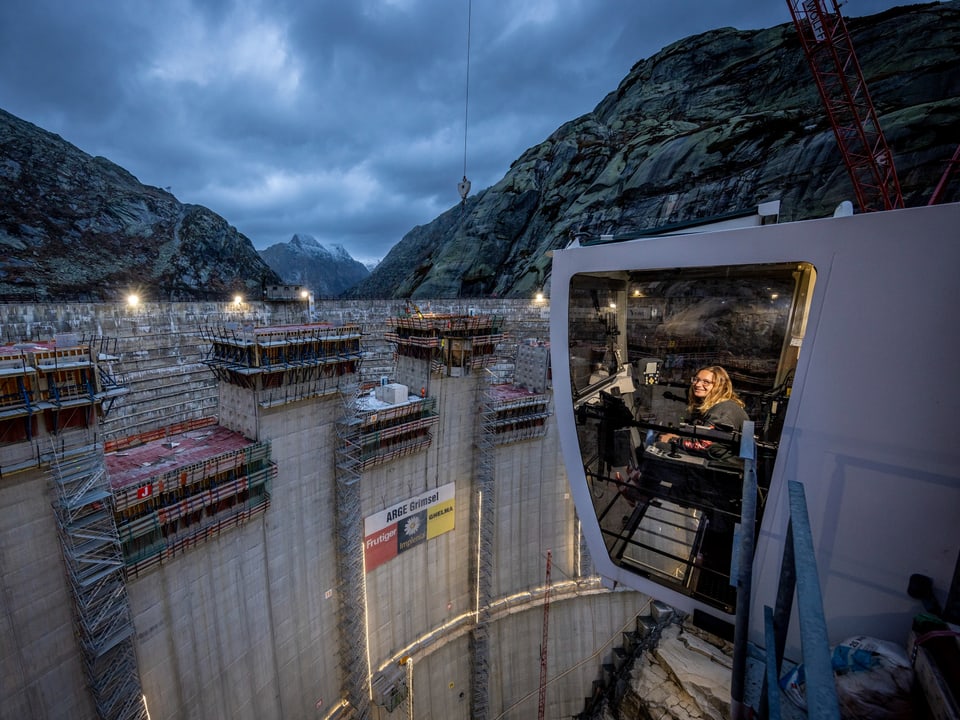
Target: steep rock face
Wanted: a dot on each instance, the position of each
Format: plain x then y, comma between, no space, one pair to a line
326,270
78,227
712,124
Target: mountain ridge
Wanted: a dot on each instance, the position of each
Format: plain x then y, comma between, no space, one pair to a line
81,227
326,269
713,123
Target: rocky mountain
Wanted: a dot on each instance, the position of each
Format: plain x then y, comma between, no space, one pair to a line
711,124
78,227
327,270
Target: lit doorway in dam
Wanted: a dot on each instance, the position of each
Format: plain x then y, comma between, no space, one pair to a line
649,351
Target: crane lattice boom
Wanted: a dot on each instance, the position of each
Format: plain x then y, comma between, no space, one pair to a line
829,51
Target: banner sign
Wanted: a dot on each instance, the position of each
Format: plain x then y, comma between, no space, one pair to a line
400,527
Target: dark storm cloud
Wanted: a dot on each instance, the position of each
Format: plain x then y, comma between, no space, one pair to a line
344,120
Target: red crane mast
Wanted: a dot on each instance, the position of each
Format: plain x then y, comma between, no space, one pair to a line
952,164
836,71
542,706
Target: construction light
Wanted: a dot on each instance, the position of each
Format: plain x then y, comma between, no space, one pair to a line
133,300
238,299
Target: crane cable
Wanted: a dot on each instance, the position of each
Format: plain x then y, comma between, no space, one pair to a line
463,187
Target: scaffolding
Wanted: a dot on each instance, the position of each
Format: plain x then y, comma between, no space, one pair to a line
484,539
518,390
94,564
286,363
65,382
355,678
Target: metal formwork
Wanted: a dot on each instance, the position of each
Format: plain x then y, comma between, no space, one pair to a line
150,514
285,364
458,342
83,506
520,419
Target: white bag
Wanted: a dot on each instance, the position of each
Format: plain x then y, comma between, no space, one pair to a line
873,678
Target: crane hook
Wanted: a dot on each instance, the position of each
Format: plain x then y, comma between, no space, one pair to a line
463,187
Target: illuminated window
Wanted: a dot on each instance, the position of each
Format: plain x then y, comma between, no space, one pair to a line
666,491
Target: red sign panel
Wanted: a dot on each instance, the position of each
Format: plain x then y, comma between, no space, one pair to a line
380,546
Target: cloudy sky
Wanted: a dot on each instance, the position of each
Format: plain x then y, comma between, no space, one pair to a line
343,119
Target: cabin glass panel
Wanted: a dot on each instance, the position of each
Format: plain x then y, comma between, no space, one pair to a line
637,338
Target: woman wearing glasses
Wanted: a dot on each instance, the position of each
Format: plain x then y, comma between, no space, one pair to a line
712,402
715,489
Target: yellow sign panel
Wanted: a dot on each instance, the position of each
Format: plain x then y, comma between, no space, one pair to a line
440,519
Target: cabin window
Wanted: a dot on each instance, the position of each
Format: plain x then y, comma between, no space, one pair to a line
667,494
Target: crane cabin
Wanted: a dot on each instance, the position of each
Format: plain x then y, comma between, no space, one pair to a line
841,338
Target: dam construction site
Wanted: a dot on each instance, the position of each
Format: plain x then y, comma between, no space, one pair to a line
269,510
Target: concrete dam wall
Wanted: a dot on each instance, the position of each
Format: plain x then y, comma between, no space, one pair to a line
258,620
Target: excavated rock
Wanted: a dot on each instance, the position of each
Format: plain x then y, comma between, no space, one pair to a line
683,678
